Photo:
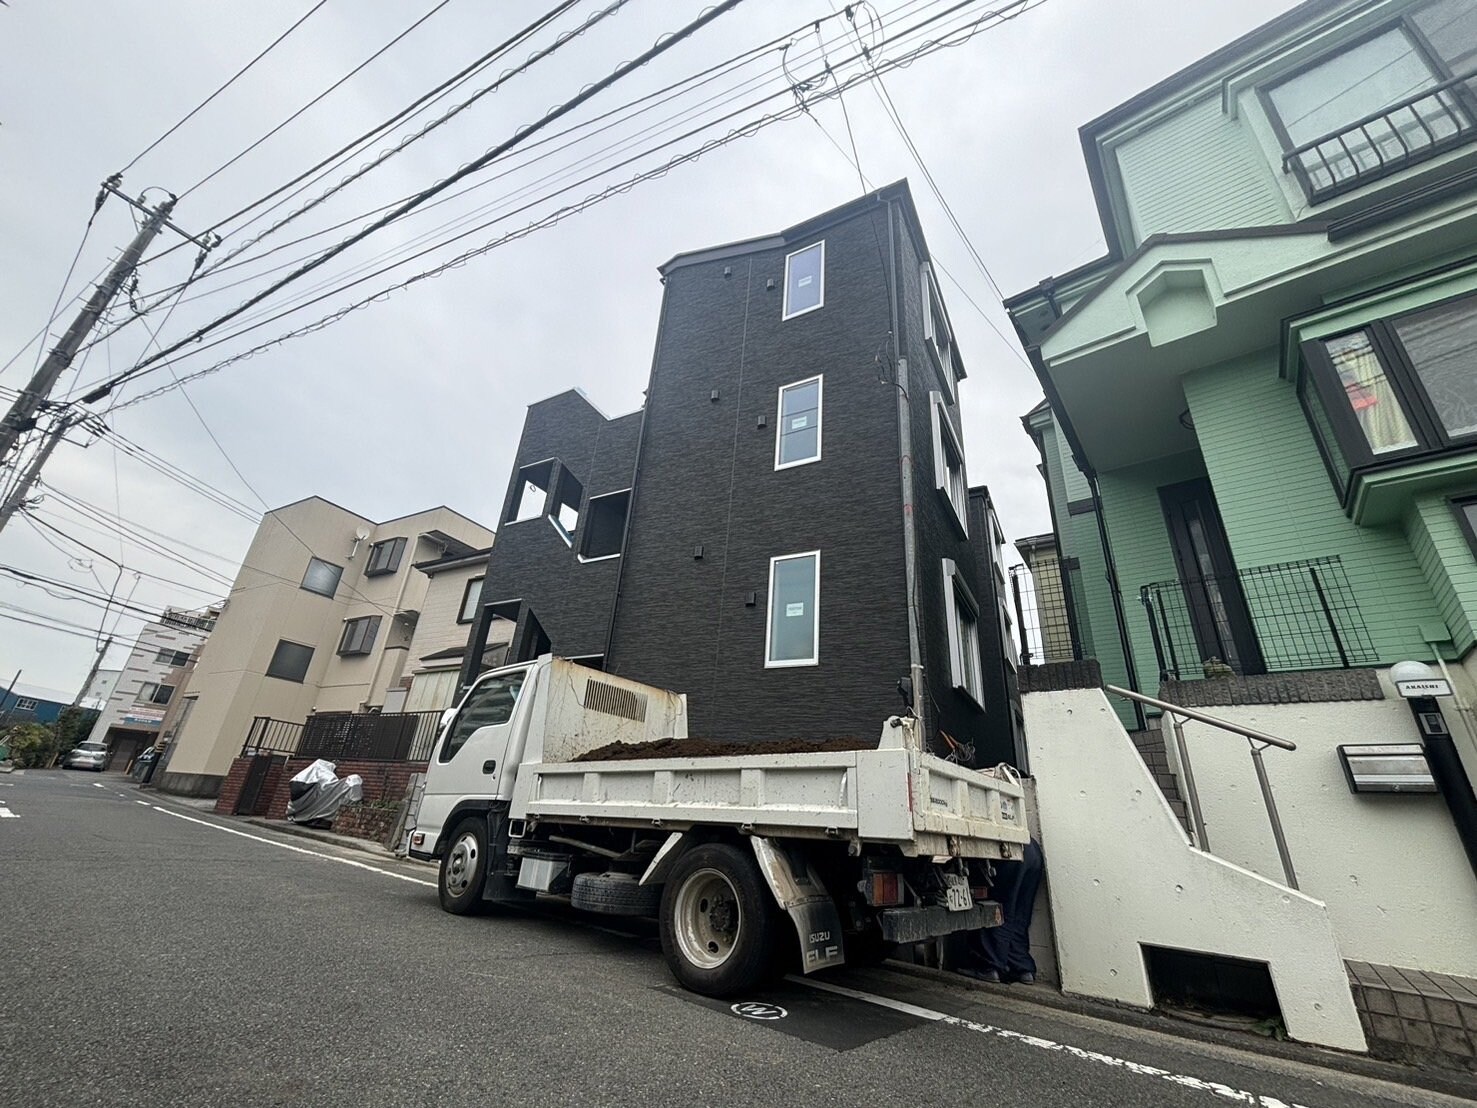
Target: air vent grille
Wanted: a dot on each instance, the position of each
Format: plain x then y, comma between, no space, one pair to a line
615,701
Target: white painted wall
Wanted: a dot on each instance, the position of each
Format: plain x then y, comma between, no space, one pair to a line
1123,874
1390,867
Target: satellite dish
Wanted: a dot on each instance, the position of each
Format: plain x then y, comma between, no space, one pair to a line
361,534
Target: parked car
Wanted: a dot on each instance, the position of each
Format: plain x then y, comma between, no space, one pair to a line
87,756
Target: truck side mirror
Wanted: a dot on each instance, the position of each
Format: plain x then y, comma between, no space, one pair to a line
446,717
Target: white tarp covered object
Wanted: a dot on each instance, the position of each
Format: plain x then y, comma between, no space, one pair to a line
317,792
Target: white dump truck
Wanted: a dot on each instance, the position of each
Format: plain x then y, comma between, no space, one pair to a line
860,849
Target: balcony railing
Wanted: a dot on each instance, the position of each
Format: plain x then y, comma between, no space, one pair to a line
1266,619
337,736
1417,128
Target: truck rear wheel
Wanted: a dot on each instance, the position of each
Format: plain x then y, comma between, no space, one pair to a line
464,868
718,921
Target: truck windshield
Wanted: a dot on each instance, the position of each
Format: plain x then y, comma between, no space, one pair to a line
488,704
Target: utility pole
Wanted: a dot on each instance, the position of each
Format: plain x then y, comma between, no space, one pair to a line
17,498
22,414
92,673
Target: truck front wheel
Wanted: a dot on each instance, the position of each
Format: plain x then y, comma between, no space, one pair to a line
464,867
718,921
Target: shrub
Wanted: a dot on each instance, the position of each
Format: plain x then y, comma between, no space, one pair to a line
32,745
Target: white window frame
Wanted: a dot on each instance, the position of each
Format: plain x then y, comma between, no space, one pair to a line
815,657
942,355
25,704
945,440
821,303
955,591
779,421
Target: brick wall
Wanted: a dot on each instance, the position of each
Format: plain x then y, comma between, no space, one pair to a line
365,822
382,781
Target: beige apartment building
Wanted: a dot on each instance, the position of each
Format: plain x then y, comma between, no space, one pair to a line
453,592
322,618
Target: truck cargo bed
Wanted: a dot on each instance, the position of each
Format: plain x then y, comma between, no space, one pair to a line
894,795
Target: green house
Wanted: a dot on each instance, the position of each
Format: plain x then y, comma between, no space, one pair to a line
1260,439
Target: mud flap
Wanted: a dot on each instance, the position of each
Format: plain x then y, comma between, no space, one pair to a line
501,886
800,892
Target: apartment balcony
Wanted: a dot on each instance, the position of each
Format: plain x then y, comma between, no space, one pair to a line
1266,619
1414,130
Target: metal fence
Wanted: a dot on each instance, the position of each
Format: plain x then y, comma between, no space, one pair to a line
1266,619
1045,613
337,736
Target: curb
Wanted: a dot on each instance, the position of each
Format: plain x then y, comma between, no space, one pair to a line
328,838
1448,1082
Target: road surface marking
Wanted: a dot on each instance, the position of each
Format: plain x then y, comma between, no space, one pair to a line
297,849
6,813
145,803
1139,1068
98,785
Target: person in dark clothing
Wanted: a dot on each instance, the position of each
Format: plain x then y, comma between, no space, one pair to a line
1004,953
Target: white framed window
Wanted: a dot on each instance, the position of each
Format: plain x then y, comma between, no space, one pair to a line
805,280
792,625
25,704
948,464
938,336
962,617
797,437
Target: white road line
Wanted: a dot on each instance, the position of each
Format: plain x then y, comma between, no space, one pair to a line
145,803
98,785
297,849
1227,1091
6,813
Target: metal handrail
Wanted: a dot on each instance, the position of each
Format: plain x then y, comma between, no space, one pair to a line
1190,713
1364,121
1192,794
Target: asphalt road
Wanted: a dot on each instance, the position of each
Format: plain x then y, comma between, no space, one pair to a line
157,955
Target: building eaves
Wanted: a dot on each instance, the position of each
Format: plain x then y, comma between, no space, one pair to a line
898,191
1176,84
433,566
1305,227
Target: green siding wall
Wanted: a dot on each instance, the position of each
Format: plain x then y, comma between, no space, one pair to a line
1279,505
1197,170
1078,538
1141,546
1447,561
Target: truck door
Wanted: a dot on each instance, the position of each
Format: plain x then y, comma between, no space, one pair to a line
470,758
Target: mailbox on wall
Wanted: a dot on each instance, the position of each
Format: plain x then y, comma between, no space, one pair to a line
1386,768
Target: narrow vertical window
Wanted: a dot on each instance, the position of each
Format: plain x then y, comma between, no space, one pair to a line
805,280
798,436
1370,395
962,616
948,465
794,618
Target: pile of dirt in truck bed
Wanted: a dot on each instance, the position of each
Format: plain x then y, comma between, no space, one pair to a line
712,748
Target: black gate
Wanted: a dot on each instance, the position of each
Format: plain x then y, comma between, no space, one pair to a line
253,800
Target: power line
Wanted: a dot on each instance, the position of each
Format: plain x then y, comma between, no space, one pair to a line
378,53
230,81
36,521
36,580
590,91
968,29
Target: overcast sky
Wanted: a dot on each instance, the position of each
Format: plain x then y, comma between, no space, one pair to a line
417,400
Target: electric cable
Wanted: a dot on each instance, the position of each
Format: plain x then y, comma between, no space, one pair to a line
587,93
229,82
326,92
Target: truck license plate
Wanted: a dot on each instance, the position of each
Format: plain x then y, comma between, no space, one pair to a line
957,896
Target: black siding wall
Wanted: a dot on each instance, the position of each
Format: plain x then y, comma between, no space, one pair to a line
530,561
707,479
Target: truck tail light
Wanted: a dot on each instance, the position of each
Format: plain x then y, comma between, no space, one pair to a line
887,890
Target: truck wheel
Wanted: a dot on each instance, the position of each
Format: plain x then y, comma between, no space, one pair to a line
464,868
615,894
718,921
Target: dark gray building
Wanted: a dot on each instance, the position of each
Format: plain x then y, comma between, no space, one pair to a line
749,536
